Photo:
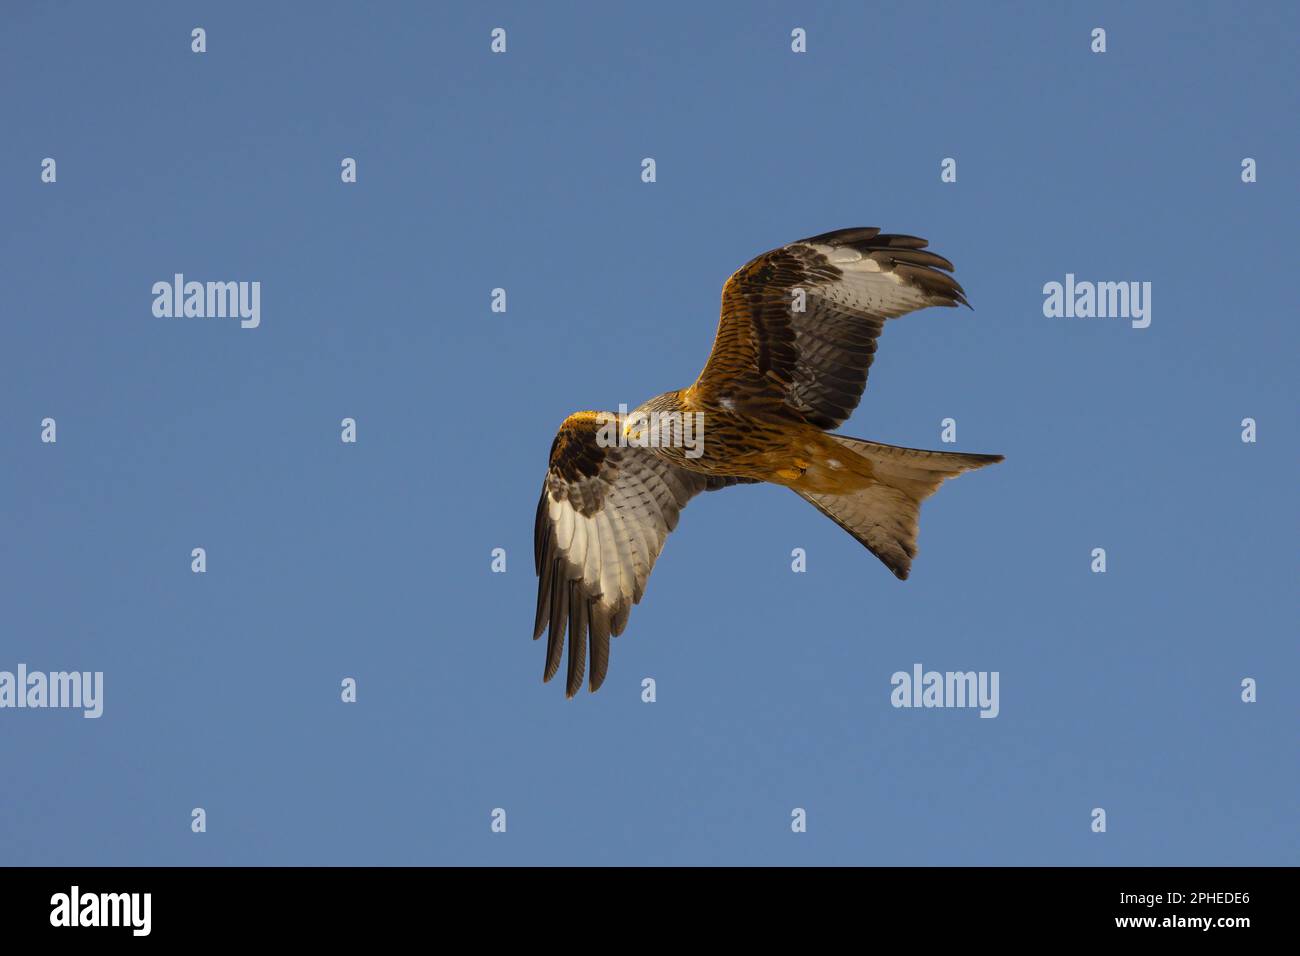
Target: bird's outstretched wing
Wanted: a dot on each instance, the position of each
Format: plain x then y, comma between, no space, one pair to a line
602,520
799,324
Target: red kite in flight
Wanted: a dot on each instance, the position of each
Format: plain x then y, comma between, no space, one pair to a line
796,337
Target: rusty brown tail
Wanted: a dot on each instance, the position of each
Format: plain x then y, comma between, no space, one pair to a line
884,516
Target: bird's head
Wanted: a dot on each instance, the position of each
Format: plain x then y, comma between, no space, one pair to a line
636,426
641,424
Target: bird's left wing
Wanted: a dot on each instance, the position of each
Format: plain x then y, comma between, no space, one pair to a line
799,324
603,517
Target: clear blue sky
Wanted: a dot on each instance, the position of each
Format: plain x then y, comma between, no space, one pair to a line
522,171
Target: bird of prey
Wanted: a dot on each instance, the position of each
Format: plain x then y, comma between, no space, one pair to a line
796,337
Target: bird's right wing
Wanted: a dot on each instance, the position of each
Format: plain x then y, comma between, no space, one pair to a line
602,520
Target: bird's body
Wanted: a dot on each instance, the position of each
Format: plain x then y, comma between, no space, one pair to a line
761,443
796,337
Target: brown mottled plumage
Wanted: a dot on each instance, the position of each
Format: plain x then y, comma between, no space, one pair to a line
795,340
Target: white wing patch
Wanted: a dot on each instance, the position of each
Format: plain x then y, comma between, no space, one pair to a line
865,286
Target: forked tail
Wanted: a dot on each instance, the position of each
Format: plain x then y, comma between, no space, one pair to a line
884,516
